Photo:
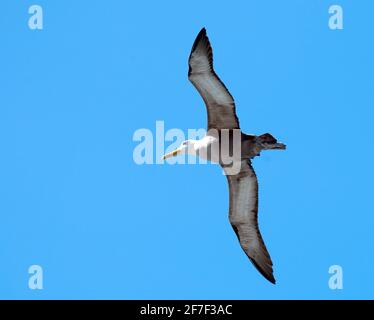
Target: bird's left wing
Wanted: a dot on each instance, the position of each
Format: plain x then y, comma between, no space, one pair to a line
218,100
243,218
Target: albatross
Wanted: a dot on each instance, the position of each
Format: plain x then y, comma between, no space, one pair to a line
243,184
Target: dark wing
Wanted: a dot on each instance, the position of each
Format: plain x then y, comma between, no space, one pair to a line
243,218
218,100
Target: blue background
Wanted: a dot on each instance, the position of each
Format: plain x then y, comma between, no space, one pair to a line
74,201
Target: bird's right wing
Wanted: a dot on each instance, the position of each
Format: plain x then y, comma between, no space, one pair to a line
243,218
218,100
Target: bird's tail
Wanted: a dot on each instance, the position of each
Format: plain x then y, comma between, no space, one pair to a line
269,142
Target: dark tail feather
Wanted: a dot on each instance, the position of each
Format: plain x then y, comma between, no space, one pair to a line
267,138
269,142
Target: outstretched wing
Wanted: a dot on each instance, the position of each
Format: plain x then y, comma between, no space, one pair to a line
218,100
243,218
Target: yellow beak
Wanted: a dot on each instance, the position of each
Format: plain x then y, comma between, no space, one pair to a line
171,154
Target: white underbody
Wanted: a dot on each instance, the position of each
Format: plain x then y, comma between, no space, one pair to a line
201,147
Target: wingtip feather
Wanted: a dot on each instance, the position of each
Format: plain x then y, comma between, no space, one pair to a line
200,35
267,275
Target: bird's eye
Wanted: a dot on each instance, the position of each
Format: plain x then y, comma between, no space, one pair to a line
185,143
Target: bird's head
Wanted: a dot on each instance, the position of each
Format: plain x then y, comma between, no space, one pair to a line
186,146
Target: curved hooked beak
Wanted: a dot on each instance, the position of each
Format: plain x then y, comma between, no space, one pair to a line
171,154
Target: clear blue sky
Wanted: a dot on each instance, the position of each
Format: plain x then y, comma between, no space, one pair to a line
73,201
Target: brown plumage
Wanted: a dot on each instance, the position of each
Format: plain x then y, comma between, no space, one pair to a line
218,100
243,209
243,218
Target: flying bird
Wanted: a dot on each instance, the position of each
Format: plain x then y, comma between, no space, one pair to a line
222,120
